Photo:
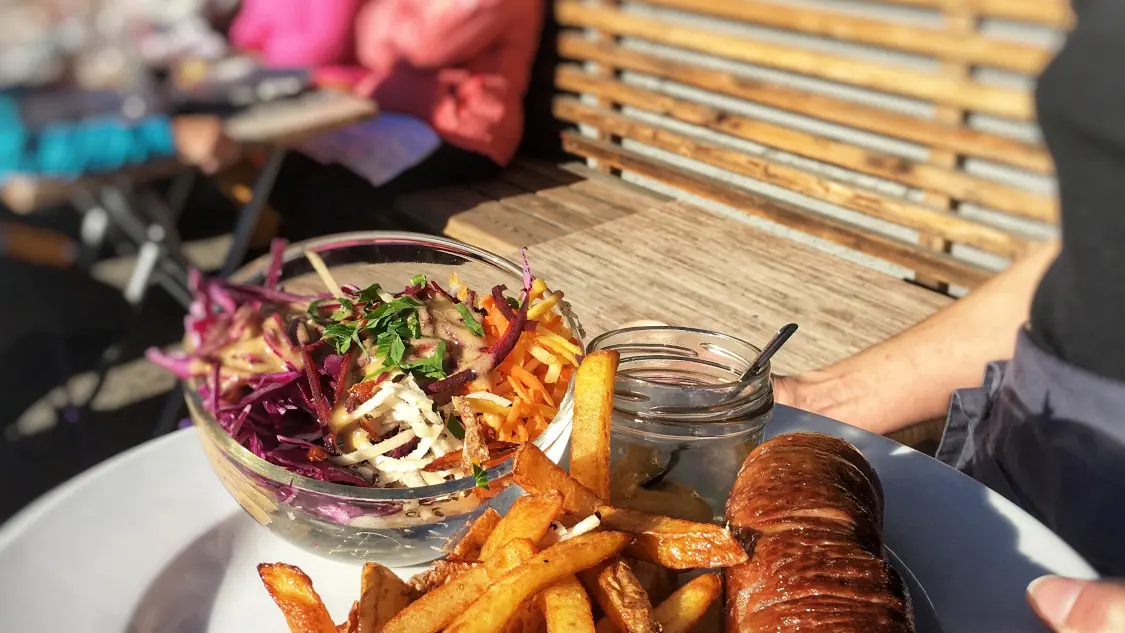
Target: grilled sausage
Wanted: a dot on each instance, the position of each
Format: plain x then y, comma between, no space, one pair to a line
808,509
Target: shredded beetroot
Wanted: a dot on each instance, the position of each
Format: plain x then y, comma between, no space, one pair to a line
342,377
502,302
324,418
435,287
277,249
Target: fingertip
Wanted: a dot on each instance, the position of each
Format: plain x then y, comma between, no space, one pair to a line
1053,597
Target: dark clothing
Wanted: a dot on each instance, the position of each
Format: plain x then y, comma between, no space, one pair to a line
1048,436
1079,310
1047,429
315,199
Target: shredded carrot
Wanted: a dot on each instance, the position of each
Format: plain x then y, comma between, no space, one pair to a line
534,375
514,412
532,383
520,390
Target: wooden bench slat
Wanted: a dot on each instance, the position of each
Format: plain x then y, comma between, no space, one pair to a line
896,251
952,227
933,42
928,132
1056,13
956,184
967,94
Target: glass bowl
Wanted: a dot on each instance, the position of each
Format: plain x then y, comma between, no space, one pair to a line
393,526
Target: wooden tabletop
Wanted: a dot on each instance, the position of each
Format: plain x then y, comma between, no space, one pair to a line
684,265
277,123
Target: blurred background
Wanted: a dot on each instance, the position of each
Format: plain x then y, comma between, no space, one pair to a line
106,201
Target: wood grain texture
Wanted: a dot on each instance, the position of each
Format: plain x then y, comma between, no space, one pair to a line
940,89
928,132
529,203
940,179
839,232
971,48
918,217
684,265
1056,13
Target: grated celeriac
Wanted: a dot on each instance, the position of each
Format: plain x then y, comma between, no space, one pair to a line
399,404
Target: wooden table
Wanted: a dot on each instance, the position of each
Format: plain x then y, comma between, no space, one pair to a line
683,265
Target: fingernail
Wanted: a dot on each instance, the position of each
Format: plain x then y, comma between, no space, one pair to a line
1053,597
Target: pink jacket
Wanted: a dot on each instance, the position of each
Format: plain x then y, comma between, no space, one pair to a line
297,32
461,65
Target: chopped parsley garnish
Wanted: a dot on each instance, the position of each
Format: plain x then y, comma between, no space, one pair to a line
514,303
344,311
314,308
470,321
456,429
370,294
480,476
341,335
418,280
413,325
432,366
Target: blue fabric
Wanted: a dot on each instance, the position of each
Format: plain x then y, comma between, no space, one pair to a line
1050,437
75,148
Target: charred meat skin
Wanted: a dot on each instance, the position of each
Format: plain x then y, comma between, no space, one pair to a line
808,509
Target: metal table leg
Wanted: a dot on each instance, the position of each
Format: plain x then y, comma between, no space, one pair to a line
248,217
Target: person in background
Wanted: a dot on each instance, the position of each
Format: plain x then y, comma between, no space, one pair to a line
1047,428
460,68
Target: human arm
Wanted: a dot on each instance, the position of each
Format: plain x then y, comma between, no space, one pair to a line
439,33
909,378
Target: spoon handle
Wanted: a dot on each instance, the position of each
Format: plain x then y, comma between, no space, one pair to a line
770,349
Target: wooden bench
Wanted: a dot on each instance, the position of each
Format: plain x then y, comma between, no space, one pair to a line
896,133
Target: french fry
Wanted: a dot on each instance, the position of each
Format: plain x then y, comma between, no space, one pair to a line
492,610
658,582
529,518
687,605
537,474
468,548
293,592
617,591
438,573
675,543
352,623
593,408
382,595
567,607
528,618
435,610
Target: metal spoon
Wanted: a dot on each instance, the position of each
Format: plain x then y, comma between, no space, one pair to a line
769,350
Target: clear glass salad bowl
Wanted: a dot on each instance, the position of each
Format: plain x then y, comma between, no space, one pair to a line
393,526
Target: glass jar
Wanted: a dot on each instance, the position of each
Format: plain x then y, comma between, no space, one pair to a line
683,419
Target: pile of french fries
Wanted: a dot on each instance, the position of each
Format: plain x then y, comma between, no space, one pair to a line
561,560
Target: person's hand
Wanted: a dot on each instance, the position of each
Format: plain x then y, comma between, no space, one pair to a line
200,141
1079,606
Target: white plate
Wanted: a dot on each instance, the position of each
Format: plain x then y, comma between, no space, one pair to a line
149,542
